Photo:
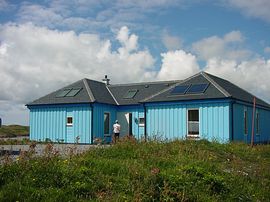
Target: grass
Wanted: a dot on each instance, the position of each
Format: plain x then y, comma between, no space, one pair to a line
152,171
14,130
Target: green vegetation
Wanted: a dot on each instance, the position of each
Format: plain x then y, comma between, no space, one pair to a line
152,171
14,130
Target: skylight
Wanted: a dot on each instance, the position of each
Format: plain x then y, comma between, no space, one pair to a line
69,92
63,93
197,88
189,89
180,90
130,94
73,92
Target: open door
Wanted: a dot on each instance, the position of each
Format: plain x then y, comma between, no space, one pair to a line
193,123
125,120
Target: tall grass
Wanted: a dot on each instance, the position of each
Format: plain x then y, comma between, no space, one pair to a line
150,171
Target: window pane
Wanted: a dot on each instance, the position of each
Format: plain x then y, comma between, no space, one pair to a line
106,123
193,115
63,93
69,120
141,121
130,94
197,88
180,90
73,92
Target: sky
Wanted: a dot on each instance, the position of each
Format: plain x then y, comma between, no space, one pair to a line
45,45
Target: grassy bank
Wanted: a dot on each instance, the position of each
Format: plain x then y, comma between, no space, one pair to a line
14,130
130,171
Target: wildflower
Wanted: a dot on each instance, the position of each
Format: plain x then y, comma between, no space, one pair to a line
155,171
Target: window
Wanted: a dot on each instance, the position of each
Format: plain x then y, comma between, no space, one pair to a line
141,121
193,123
63,93
257,123
69,121
130,94
245,122
73,92
179,90
106,123
197,88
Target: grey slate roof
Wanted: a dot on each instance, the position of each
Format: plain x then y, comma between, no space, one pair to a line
144,90
95,91
218,88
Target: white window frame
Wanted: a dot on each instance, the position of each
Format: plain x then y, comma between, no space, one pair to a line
190,135
141,124
70,124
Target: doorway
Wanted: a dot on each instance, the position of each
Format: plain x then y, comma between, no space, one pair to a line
193,123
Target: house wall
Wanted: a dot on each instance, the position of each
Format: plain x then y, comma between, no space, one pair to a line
238,124
49,122
137,112
98,120
169,120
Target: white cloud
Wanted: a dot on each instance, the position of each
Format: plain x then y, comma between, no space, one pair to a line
177,65
257,8
251,75
36,60
227,47
171,42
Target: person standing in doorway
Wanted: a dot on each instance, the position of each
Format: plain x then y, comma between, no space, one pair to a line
116,130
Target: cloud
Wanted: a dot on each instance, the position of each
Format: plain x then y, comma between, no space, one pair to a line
257,9
36,60
177,65
252,75
228,47
171,42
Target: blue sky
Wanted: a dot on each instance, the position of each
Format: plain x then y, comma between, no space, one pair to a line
45,45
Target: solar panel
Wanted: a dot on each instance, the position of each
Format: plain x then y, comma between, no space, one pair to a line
63,93
180,90
197,88
130,94
73,92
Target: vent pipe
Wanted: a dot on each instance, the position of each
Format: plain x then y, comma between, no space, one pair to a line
106,80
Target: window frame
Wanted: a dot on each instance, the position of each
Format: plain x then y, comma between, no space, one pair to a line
141,124
109,116
257,122
193,135
68,122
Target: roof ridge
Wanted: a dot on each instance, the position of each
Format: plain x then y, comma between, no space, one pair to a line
112,95
220,88
144,83
89,92
169,88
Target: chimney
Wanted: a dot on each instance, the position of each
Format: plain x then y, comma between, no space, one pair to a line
106,80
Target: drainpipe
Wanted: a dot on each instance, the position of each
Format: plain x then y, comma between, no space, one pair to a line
92,123
145,135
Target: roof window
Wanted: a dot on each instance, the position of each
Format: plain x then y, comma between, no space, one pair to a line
130,94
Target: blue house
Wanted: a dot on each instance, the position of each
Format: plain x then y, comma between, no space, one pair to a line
202,106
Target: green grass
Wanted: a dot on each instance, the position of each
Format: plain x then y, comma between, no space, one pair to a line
14,130
153,171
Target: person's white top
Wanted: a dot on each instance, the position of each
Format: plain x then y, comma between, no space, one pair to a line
116,128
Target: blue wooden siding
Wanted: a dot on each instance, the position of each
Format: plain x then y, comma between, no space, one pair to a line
238,124
49,122
98,119
169,121
137,112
